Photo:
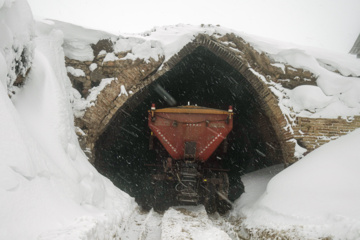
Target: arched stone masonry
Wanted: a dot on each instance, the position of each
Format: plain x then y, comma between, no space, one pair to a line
127,73
135,75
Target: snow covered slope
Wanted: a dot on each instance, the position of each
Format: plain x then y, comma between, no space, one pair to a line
48,189
316,197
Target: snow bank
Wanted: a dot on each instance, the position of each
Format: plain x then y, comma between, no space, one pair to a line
255,185
337,93
138,48
308,98
174,38
48,189
344,89
77,39
318,195
16,28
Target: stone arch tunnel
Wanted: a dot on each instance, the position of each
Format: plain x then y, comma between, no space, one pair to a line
201,78
210,72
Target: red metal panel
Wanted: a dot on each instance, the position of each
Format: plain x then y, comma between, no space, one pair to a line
174,129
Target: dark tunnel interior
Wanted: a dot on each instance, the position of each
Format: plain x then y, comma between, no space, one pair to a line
200,78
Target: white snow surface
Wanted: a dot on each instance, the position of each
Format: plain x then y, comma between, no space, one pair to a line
317,196
48,189
93,66
75,72
80,104
138,48
77,39
255,185
123,91
195,224
16,31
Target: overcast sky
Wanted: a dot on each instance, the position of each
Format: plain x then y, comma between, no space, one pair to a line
330,24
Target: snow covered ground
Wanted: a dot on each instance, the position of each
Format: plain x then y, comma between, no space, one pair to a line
176,223
48,189
192,222
316,197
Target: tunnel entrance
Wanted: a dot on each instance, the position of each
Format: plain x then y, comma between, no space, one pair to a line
200,78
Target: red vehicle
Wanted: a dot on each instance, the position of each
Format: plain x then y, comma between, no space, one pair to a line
188,172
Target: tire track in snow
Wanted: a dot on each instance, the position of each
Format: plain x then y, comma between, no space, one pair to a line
178,223
231,226
142,226
190,222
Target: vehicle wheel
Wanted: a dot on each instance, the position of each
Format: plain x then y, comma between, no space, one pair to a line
223,206
223,203
210,199
146,198
237,188
160,200
170,194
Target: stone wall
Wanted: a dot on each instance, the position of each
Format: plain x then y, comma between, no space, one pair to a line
311,133
107,69
128,73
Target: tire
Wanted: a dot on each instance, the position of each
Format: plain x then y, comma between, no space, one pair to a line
223,203
210,199
163,196
158,196
223,206
146,198
236,189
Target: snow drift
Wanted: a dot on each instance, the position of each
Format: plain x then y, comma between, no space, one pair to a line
17,30
318,195
47,186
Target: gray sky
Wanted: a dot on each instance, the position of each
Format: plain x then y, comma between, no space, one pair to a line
330,24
